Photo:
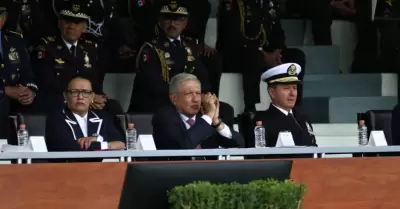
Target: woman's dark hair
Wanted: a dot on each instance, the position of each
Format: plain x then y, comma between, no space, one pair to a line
79,77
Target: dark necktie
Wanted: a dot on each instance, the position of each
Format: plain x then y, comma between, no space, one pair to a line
73,50
177,43
297,123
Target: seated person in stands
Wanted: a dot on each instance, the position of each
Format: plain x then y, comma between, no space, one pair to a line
281,115
76,128
193,121
65,56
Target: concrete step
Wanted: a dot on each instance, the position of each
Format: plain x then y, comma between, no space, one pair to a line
350,85
344,109
322,59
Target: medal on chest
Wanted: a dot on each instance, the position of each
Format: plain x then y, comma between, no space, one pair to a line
13,55
87,61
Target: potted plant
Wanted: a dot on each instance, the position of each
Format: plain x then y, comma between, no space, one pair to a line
260,194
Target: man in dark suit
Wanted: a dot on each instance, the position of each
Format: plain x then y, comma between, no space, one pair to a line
162,58
76,128
17,82
62,57
282,115
182,126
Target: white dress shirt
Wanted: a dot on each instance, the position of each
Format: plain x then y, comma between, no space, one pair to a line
283,111
82,121
172,39
225,132
69,46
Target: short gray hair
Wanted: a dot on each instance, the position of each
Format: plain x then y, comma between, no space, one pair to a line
180,78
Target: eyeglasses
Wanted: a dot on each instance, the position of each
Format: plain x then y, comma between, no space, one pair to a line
76,92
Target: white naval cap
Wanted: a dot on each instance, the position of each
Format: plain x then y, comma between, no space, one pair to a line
285,73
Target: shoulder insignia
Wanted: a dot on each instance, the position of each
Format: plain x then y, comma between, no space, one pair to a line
14,33
50,38
41,52
228,4
143,53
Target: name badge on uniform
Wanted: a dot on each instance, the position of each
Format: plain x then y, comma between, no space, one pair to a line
13,55
87,61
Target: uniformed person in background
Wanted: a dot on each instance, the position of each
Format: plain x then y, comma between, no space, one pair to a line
250,38
282,115
162,58
30,18
65,56
17,85
196,29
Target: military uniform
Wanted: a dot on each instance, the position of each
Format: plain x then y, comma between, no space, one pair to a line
158,61
15,69
196,29
56,66
245,29
58,61
277,119
31,19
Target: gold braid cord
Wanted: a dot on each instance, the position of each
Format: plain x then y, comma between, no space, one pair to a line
164,64
242,27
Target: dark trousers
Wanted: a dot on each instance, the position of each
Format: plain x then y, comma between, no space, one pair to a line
320,14
4,111
250,63
213,64
366,57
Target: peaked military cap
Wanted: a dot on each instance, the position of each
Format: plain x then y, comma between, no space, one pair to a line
174,8
76,10
282,74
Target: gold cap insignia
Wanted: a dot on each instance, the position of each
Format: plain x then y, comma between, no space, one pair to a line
291,70
76,8
173,5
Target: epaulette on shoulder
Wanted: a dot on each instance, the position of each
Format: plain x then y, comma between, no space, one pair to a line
48,39
147,44
89,42
13,33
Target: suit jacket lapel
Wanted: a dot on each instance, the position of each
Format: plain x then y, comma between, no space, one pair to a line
73,124
68,57
178,119
94,124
